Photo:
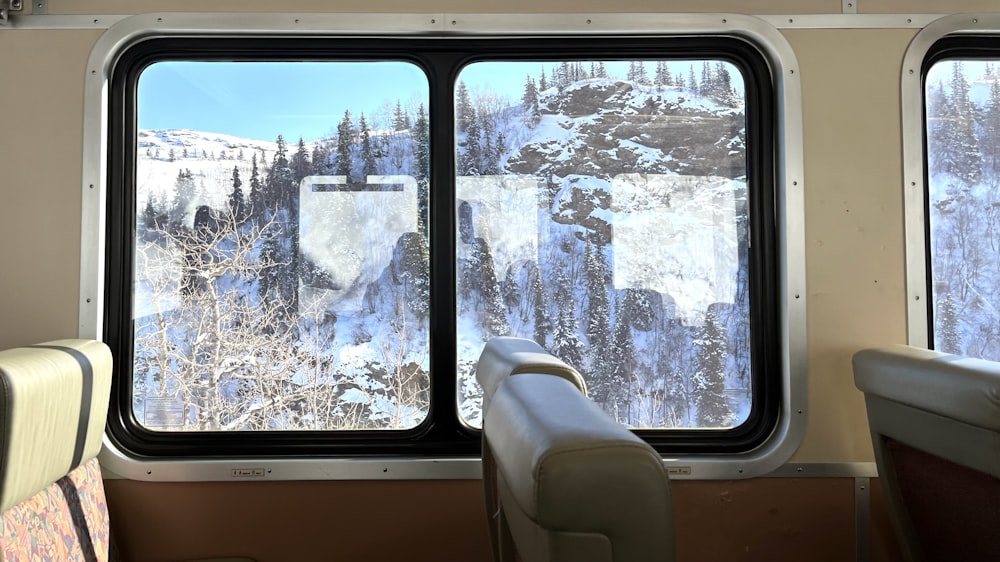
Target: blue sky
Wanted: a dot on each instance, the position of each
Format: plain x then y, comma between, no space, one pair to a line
260,100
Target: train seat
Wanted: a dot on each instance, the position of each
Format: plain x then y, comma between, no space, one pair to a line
935,426
505,356
568,482
53,408
502,357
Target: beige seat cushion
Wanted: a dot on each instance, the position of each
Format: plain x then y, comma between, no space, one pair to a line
53,409
573,483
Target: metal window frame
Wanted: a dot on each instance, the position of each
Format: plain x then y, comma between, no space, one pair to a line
789,200
914,160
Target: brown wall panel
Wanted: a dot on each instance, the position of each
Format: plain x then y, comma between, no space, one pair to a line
885,545
428,520
766,519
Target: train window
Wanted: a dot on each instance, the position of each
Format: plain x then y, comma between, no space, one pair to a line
962,126
279,285
602,211
310,239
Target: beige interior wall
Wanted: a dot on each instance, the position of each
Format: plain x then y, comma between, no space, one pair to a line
854,223
925,6
458,6
41,127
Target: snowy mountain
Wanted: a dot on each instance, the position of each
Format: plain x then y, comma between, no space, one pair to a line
603,219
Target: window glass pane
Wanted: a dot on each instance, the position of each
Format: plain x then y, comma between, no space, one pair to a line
281,259
602,211
962,100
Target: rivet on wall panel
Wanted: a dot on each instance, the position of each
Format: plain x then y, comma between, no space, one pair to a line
849,6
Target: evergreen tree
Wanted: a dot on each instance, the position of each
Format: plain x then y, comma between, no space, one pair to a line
543,84
660,77
269,277
632,74
622,362
319,160
280,179
237,204
598,307
345,138
153,219
530,101
400,119
470,159
566,343
494,317
564,75
707,87
602,71
422,153
171,156
184,194
498,152
692,82
465,113
639,309
946,331
369,167
709,381
257,201
510,290
149,215
937,114
488,166
413,257
541,332
962,155
642,77
598,318
723,85
282,191
300,164
990,143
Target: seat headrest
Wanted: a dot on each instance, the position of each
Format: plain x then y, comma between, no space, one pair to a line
570,468
504,356
961,388
53,409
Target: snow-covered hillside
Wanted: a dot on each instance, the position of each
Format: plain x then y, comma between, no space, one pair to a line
602,219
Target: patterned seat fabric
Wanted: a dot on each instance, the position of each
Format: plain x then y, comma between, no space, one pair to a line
53,407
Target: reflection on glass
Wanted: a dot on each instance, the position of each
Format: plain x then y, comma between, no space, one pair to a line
602,211
278,285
